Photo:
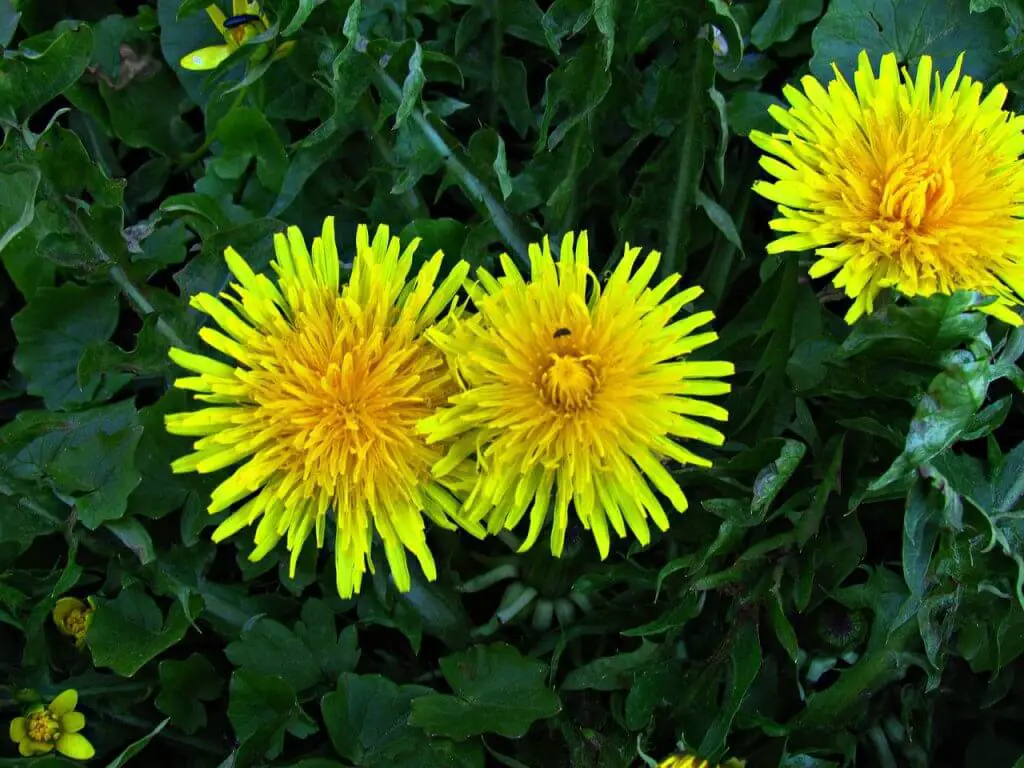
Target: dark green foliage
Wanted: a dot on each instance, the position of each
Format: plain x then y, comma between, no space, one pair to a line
848,583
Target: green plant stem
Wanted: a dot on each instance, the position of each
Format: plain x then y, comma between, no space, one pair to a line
471,185
876,669
142,305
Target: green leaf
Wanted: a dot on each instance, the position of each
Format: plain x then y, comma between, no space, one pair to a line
944,412
604,17
367,718
336,654
500,166
130,630
612,673
920,534
306,7
496,690
770,480
55,330
43,67
781,19
87,458
745,659
270,648
245,134
261,708
184,685
134,536
8,22
720,217
412,88
148,112
137,746
942,29
18,184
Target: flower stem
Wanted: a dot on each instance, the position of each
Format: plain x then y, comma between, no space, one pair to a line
471,185
142,305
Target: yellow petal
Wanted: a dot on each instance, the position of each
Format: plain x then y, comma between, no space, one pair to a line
75,746
18,729
64,703
72,722
203,59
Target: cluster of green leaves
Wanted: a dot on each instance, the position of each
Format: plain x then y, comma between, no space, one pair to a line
849,580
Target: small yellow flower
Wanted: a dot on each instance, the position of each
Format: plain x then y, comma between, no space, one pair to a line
906,182
246,22
73,617
56,726
689,761
576,395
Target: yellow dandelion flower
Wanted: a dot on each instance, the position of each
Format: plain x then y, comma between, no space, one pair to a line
320,402
690,761
247,20
73,617
577,392
911,183
55,726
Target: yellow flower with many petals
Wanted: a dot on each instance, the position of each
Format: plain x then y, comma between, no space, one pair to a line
690,761
576,394
55,726
911,183
320,402
246,22
73,617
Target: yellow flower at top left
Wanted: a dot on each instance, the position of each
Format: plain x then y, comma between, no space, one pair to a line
55,726
247,20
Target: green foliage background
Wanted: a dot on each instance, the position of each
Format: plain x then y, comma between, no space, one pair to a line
848,583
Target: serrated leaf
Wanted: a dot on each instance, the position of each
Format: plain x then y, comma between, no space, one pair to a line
412,87
781,19
184,685
270,648
55,330
496,690
87,458
942,29
130,630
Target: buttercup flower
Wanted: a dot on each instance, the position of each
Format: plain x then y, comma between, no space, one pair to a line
246,22
689,761
575,395
911,183
73,617
55,726
320,401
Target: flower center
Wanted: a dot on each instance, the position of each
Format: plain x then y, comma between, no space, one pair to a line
75,622
569,381
42,726
914,189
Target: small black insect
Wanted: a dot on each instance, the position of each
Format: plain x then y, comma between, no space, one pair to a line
561,332
237,21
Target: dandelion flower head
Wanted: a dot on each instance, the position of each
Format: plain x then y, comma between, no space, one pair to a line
318,401
575,394
905,182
